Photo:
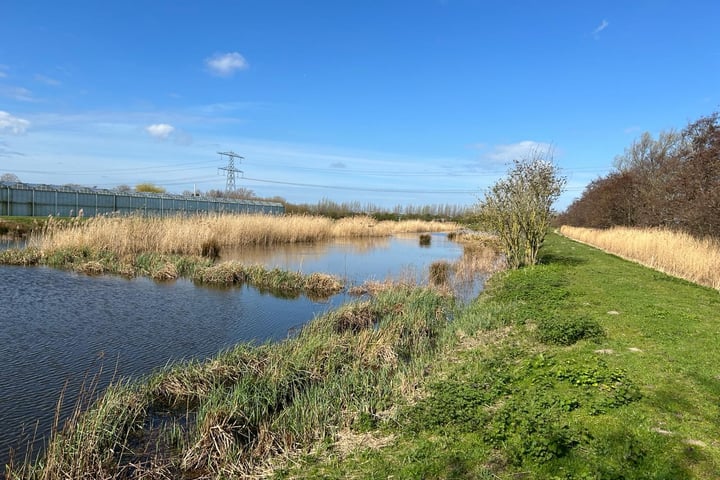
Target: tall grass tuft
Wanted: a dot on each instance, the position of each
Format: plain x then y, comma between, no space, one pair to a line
440,272
675,253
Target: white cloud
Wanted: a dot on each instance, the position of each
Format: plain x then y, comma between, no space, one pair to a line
161,131
603,25
226,64
11,124
516,151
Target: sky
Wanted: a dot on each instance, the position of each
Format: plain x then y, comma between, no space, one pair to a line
386,103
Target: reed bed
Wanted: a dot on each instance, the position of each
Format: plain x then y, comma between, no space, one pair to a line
233,415
675,253
205,235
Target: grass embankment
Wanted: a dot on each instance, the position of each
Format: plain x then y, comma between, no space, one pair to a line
19,227
675,253
584,367
232,415
172,247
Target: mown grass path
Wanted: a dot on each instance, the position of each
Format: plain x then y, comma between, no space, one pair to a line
586,366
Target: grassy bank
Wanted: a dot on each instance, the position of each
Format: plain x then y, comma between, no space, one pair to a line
19,227
676,253
231,416
584,367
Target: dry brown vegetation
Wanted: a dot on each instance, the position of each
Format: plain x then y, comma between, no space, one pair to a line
675,253
204,235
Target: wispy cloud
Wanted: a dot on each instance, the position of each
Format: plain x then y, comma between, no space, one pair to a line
632,129
226,64
47,80
603,25
515,151
5,151
11,124
161,131
224,107
18,93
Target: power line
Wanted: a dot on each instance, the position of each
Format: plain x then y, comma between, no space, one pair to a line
357,189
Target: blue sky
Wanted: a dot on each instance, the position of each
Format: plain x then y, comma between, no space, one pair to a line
387,102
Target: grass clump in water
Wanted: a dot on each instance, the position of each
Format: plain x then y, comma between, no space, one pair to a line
440,272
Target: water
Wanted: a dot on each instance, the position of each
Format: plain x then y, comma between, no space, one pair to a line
355,260
59,328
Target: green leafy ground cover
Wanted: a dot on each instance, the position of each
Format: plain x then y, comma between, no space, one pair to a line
583,367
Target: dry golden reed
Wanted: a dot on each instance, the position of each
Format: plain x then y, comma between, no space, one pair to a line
191,235
675,253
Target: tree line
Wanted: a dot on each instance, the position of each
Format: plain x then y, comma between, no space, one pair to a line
672,181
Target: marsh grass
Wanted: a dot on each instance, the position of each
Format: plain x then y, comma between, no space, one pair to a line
229,416
440,272
280,282
172,247
20,257
208,235
675,253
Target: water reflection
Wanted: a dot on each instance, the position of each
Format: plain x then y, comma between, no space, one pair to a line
9,242
354,260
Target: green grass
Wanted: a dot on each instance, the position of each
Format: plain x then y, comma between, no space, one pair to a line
583,367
